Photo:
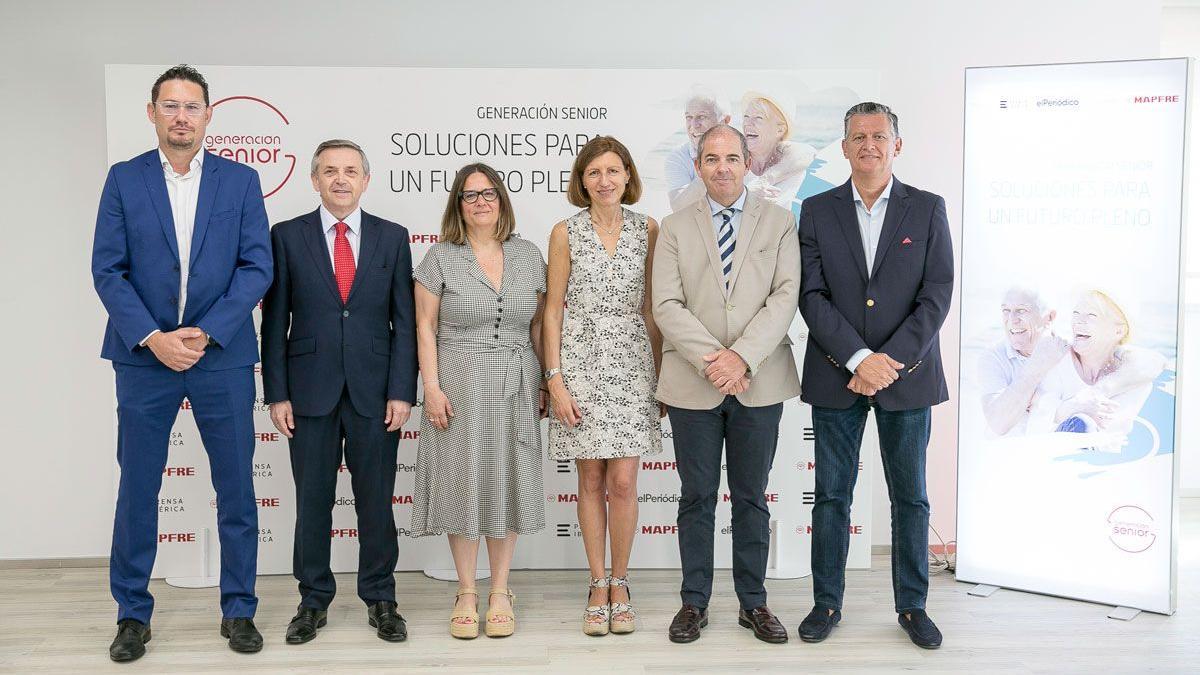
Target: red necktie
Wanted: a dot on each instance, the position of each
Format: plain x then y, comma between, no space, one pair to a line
343,261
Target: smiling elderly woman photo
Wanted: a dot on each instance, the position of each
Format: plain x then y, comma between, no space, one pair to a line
1102,383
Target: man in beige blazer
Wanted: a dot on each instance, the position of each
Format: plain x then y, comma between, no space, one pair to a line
726,286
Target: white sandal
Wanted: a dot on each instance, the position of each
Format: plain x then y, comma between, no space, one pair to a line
624,625
601,612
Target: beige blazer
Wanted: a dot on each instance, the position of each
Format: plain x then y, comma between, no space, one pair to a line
696,318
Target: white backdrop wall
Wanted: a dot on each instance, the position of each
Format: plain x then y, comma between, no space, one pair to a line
56,492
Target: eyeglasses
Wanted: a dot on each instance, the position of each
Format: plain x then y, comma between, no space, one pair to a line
172,108
489,195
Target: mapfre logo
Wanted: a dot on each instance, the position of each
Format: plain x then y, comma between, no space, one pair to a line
253,132
1161,98
1131,529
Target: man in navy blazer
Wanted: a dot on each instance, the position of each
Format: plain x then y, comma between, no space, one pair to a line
877,270
181,257
340,373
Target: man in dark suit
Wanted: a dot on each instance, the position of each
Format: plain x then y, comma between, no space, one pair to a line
877,271
340,375
181,257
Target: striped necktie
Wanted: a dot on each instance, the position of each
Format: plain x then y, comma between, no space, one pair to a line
725,243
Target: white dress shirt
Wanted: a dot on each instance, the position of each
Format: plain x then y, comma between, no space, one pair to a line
870,227
183,191
353,232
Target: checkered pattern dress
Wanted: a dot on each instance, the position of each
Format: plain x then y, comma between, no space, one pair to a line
483,475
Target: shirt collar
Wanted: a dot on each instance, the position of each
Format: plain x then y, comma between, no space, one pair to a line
883,196
1012,353
196,163
352,221
737,206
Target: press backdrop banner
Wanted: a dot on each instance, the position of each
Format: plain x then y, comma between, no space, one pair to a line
418,126
1071,268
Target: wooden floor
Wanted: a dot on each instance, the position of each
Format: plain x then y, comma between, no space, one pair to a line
61,620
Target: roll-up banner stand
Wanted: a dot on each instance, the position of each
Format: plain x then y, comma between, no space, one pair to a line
1072,278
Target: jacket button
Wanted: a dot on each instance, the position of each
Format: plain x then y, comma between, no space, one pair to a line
345,313
870,302
728,307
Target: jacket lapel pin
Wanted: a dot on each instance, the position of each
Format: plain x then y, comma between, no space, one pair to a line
906,241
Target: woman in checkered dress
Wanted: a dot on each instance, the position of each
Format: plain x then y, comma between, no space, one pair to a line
479,295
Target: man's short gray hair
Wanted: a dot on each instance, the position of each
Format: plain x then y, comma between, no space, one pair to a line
706,100
722,129
340,143
871,108
1025,292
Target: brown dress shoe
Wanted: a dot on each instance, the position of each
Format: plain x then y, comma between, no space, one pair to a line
686,625
765,625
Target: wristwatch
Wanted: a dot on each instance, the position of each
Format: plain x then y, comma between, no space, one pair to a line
211,342
551,373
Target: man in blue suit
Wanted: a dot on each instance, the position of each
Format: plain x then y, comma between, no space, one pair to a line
181,257
877,270
340,373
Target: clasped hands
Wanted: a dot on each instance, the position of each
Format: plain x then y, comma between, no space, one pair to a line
875,373
179,349
727,371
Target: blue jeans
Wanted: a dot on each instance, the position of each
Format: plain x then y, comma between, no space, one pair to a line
903,437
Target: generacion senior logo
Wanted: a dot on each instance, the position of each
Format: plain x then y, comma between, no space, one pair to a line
1131,529
253,132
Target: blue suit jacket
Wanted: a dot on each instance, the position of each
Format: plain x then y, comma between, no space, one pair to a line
135,260
909,292
315,346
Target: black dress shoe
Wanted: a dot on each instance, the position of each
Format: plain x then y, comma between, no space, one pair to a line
130,643
921,629
764,623
243,636
389,625
686,625
819,623
305,624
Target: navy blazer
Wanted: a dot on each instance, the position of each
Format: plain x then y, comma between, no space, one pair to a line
135,260
314,346
898,310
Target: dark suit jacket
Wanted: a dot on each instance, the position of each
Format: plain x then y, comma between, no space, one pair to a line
135,260
314,346
908,294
